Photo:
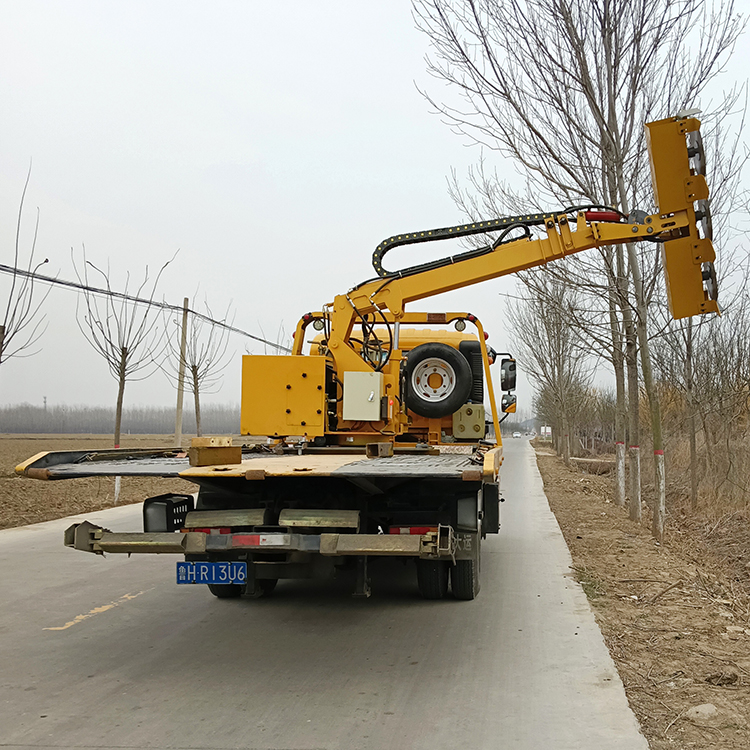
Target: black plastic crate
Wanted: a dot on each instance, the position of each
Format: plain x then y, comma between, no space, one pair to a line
166,512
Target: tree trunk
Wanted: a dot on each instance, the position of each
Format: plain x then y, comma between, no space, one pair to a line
641,323
196,394
659,509
707,441
618,364
566,440
691,416
631,360
120,394
181,375
2,343
634,429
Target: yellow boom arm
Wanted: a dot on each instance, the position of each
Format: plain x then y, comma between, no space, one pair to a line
685,252
678,176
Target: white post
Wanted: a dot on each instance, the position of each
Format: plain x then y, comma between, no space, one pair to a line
181,376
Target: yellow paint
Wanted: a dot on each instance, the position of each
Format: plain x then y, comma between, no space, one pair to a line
21,468
98,610
320,465
283,395
491,466
675,189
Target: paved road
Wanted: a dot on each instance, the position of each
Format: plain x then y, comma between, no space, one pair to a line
109,653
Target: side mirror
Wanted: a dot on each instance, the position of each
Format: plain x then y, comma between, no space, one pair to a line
507,375
508,403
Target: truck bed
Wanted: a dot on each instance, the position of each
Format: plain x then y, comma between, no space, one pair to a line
453,462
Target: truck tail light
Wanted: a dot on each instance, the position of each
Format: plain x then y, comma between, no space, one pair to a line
412,529
219,530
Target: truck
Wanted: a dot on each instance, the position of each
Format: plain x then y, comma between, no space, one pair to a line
379,435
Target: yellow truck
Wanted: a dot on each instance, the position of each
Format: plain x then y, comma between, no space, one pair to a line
379,435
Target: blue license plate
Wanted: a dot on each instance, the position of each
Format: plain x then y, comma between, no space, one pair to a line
211,572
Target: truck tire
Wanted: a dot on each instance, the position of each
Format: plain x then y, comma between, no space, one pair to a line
263,587
267,585
432,578
452,377
233,590
465,579
225,590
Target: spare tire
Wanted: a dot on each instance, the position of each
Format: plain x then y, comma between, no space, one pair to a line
438,380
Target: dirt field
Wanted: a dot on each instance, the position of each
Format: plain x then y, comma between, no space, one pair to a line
676,618
24,501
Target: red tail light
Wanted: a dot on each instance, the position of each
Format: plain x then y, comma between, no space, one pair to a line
411,529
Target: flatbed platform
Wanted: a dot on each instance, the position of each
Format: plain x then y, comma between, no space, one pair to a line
450,463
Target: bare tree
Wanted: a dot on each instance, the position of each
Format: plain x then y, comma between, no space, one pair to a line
707,393
562,88
22,324
550,350
121,330
206,356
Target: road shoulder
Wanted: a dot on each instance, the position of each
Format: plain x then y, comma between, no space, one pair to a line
674,618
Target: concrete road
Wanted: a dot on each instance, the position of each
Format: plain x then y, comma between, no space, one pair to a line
110,653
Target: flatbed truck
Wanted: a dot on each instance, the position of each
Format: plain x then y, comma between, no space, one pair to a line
377,440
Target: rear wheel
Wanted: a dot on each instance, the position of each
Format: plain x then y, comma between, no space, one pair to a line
263,587
233,590
432,578
465,579
225,590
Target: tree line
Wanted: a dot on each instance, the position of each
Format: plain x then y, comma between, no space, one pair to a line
126,324
558,92
219,419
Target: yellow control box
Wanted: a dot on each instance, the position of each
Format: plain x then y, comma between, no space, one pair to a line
283,395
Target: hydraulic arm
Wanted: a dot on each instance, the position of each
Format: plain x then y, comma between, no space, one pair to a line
680,226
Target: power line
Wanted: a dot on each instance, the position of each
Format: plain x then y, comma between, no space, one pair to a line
120,295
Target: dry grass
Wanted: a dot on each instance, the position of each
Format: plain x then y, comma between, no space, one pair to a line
24,501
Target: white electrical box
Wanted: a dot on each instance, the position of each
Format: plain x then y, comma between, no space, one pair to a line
362,394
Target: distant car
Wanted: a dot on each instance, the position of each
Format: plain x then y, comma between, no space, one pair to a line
516,434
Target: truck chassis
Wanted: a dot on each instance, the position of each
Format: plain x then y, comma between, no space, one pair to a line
306,512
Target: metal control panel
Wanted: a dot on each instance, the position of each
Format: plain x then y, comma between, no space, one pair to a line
362,394
283,395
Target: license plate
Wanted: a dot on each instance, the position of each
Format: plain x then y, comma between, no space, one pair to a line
211,572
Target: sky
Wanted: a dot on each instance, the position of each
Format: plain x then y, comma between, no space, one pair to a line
270,146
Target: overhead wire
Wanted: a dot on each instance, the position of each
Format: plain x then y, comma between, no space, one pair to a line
56,281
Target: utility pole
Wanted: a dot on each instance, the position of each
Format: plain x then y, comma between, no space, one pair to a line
181,375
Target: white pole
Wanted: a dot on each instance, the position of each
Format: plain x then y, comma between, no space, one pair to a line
181,376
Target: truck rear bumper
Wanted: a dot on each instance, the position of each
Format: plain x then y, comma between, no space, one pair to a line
434,544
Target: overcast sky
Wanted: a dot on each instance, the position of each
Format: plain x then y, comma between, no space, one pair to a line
273,144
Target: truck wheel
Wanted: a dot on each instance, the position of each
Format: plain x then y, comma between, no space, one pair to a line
267,585
225,590
465,579
439,380
263,587
432,578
